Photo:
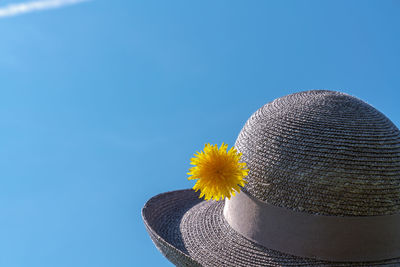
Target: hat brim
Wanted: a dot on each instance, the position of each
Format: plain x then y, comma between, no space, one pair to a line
193,232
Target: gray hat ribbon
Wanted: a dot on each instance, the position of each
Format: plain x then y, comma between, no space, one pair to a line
333,238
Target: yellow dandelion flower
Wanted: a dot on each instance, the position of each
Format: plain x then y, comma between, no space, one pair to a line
219,173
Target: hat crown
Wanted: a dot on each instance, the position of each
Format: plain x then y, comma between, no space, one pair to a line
323,152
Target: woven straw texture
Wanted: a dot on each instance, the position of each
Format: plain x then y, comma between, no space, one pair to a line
200,236
323,152
319,152
162,215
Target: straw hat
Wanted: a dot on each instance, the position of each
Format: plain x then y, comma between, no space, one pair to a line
323,190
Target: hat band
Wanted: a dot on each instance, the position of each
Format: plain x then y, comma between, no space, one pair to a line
331,238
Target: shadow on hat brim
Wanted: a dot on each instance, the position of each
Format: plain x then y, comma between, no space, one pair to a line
192,232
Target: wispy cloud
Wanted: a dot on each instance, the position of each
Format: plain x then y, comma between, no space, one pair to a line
21,8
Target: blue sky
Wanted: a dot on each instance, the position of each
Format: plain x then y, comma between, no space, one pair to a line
102,104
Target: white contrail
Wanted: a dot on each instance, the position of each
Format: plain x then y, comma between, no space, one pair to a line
21,8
